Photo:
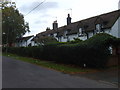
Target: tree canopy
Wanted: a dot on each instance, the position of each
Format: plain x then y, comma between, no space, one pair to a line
13,23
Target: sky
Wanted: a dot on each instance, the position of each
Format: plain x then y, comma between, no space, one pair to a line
51,10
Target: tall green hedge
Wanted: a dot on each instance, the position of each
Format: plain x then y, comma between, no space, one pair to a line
93,52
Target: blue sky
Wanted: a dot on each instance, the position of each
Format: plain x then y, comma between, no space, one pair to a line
52,10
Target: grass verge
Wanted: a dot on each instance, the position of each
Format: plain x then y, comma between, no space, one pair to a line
50,65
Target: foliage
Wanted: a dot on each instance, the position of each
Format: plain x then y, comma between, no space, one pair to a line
101,40
13,23
46,40
76,40
93,52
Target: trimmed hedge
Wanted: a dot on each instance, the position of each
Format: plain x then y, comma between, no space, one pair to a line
93,52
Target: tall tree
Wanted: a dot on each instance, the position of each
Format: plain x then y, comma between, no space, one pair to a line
13,23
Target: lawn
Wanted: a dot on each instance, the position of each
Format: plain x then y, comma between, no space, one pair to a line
51,65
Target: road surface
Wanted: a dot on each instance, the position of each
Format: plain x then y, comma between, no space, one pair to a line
19,74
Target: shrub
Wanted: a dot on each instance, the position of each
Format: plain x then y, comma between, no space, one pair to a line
93,52
76,40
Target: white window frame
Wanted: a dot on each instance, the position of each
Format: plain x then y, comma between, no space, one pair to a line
99,28
80,32
111,49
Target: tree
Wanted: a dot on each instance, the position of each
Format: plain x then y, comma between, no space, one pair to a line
13,23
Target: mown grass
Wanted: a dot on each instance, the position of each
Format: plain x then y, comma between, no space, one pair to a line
50,65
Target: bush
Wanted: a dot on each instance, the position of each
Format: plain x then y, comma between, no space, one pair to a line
35,52
76,40
93,52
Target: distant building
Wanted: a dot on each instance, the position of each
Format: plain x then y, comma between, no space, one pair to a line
24,41
84,29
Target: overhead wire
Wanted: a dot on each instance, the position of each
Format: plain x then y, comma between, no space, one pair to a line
35,7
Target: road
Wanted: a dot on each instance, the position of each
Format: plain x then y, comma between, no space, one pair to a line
18,74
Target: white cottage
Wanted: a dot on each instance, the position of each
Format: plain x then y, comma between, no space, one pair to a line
84,29
24,41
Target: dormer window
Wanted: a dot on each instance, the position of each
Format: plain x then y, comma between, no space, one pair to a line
98,28
80,33
55,34
51,35
65,33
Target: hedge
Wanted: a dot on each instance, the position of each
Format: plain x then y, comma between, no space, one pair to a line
93,52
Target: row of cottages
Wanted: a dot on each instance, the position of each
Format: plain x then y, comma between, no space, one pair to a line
84,29
25,41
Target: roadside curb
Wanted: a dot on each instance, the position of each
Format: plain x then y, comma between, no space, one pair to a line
111,83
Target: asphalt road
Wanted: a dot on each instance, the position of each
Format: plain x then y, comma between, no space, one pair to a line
18,74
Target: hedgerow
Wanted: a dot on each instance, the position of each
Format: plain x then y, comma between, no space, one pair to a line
93,52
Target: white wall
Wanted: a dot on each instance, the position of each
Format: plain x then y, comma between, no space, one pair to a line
33,43
114,30
23,44
71,37
90,34
83,38
55,34
119,27
63,39
29,41
108,31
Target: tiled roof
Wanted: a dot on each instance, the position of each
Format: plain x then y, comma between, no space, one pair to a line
107,20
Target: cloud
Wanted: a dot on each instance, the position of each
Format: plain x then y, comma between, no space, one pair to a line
25,8
40,21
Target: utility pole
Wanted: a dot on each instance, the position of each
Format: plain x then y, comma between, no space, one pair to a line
7,41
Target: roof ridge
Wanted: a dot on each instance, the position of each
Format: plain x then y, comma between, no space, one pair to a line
97,16
88,21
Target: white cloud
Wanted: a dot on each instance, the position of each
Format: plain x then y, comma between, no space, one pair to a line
25,8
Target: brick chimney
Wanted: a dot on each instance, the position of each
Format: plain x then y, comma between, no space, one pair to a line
55,25
47,29
69,19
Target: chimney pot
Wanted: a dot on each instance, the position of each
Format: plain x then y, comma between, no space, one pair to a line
47,28
69,19
55,25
